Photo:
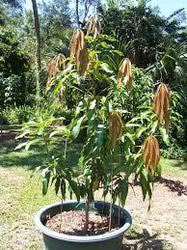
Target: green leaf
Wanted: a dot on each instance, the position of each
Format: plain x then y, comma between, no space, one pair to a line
57,185
22,135
159,170
62,130
77,127
110,108
164,135
100,135
21,145
44,186
143,183
106,68
118,52
27,146
63,188
140,131
129,125
130,137
124,192
154,126
75,189
105,45
92,105
78,108
45,180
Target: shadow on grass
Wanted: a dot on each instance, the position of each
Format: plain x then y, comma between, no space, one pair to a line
145,241
182,164
27,159
32,158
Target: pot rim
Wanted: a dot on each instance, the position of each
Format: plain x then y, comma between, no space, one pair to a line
80,239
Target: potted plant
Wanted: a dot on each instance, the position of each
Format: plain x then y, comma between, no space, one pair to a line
110,112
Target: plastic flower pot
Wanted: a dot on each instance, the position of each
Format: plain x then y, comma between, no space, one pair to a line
59,241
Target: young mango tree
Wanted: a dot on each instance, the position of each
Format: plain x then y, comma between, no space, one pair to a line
116,116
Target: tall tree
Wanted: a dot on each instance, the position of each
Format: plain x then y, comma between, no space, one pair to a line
77,12
14,3
38,47
55,24
144,32
15,66
82,10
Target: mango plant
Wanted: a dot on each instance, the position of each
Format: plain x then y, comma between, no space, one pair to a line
115,116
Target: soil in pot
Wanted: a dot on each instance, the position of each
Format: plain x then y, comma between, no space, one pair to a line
72,223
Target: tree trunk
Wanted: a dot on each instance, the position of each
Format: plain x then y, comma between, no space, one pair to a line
38,47
77,13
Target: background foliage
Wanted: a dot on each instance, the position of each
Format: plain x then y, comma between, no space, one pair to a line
155,44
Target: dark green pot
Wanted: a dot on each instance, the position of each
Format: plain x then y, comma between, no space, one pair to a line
59,241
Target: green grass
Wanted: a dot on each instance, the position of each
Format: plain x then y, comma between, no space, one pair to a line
21,195
174,167
20,199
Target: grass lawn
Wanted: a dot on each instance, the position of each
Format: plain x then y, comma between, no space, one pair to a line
20,198
21,195
174,167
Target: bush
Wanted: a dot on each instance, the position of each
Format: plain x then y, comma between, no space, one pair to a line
12,115
16,115
174,151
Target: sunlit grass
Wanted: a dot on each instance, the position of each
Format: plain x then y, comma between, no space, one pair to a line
174,167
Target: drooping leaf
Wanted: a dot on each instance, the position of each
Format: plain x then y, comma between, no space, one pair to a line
165,135
140,131
63,188
57,185
21,145
77,127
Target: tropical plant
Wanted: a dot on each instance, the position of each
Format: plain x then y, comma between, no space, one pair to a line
111,106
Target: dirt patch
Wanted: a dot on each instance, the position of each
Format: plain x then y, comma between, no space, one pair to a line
166,221
72,223
5,135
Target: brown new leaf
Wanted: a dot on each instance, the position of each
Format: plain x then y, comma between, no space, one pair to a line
94,26
151,152
125,74
115,127
78,50
161,103
55,65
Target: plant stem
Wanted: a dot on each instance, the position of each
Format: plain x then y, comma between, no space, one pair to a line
110,217
61,215
86,216
119,214
111,203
